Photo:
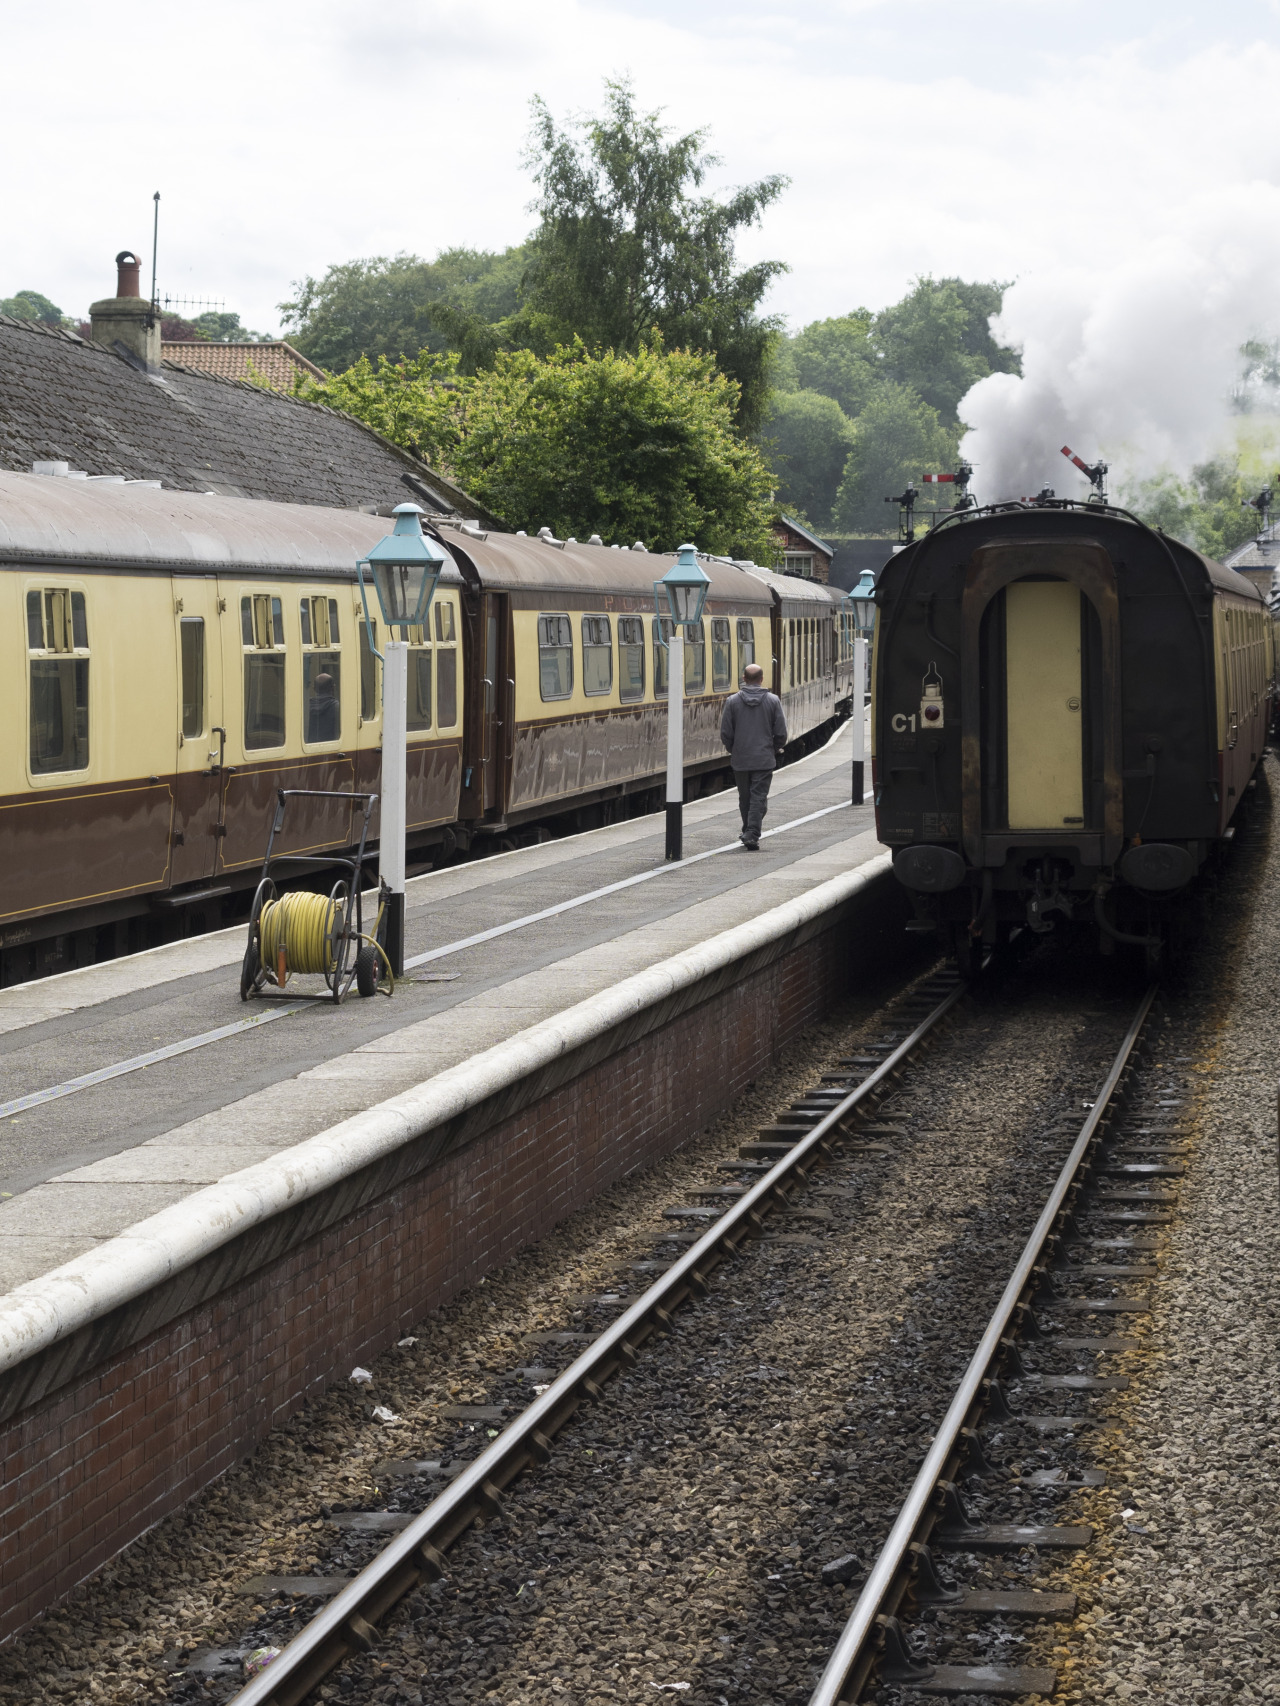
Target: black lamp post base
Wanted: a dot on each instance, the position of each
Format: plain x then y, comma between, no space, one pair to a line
392,932
675,824
857,781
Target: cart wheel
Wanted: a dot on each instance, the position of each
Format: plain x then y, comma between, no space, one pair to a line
250,966
251,973
367,967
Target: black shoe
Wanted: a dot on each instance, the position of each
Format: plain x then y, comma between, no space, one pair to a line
751,846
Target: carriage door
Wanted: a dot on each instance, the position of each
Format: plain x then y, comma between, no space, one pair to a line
498,701
199,724
1044,721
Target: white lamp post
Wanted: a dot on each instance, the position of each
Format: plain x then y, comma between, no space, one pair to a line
862,600
406,570
679,596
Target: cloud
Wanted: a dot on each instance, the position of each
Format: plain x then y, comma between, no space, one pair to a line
289,136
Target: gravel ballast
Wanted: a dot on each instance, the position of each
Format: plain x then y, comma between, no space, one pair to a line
676,1540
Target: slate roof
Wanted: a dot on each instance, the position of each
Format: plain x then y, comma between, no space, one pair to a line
803,532
276,364
63,399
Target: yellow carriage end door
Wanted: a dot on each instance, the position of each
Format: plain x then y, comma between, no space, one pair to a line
1042,698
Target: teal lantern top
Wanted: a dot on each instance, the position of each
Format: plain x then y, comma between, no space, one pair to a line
682,591
406,568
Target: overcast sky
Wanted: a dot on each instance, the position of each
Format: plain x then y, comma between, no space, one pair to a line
994,139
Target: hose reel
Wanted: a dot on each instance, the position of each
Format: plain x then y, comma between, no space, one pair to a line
308,934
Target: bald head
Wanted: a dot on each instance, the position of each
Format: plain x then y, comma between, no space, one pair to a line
753,675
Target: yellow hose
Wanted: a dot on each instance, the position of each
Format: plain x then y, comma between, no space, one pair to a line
305,926
304,929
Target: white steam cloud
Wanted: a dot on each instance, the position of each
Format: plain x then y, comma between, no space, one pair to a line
1133,363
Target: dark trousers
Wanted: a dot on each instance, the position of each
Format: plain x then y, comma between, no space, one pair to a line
753,800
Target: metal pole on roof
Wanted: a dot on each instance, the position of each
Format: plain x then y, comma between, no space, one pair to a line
155,241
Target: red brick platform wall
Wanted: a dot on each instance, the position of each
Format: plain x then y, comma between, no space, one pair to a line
87,1469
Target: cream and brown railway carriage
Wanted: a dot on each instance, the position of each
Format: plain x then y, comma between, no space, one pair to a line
568,692
809,674
170,659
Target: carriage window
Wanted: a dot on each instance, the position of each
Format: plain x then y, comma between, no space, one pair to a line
746,644
597,655
695,657
419,688
262,629
662,631
319,619
447,688
721,655
321,670
446,629
368,673
191,636
630,658
555,657
322,694
56,623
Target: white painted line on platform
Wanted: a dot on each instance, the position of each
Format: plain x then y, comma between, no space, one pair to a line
138,1061
609,888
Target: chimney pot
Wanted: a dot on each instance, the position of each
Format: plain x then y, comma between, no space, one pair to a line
128,274
126,319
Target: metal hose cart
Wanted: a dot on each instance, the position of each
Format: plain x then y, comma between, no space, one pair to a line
314,934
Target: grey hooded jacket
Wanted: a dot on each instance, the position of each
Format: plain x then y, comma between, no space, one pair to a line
753,729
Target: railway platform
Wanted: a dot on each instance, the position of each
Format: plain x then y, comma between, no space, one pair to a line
211,1209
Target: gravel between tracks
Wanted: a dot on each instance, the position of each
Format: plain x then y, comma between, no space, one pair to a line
1181,1583
674,1542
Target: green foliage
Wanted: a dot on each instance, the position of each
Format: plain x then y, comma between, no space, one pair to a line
30,305
838,358
387,306
808,438
216,328
897,378
937,340
626,246
1205,511
897,437
630,446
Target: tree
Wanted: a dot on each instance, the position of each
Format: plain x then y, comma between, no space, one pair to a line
897,438
807,438
837,358
1206,512
625,246
937,340
30,305
383,306
630,446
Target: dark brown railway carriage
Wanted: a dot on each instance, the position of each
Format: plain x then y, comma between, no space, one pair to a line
1068,708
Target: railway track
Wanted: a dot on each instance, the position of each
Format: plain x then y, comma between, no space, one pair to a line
940,1513
840,1113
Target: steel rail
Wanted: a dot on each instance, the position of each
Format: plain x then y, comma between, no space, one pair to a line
851,1660
347,1625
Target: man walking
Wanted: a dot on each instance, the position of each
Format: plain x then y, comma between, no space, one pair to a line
754,732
